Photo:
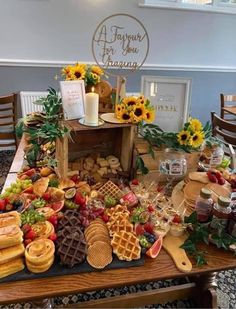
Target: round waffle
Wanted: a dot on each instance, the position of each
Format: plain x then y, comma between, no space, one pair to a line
192,190
99,254
126,246
98,237
72,249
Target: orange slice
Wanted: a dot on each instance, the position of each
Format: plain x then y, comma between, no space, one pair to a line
155,248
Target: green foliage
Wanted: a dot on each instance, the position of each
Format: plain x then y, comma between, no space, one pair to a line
141,166
202,233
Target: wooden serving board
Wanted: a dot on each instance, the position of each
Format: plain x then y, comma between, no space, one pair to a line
172,245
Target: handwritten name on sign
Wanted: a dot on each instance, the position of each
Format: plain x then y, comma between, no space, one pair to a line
120,41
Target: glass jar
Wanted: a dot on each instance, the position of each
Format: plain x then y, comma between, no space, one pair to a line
232,224
216,156
221,211
204,204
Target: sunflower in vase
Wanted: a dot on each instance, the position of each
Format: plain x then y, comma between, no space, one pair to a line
135,110
91,74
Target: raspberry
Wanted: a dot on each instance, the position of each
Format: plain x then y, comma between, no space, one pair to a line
177,219
151,208
26,228
105,218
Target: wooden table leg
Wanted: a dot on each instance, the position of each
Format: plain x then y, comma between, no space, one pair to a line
206,296
43,303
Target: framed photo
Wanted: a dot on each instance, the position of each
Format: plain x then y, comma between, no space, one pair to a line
73,99
171,97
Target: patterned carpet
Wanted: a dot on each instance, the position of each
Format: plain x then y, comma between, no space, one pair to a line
226,291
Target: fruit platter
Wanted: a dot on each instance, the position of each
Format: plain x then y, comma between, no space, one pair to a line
51,226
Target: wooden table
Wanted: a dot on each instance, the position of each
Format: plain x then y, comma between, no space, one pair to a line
201,287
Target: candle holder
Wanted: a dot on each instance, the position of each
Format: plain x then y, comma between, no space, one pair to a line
98,124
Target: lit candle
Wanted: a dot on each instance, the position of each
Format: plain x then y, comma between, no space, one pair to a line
91,108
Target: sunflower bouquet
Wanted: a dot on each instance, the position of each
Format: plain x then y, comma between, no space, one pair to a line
135,110
91,74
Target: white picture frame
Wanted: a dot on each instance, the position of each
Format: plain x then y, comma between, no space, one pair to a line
171,98
73,99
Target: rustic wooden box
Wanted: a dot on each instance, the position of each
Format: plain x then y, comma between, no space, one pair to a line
115,139
141,149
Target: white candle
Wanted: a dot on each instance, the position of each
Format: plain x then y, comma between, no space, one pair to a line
91,108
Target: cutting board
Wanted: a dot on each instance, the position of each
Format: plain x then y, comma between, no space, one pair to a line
171,244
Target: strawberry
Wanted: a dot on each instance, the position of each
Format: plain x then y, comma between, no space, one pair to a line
149,227
53,219
30,172
212,178
46,196
176,219
151,208
27,241
221,181
139,229
135,182
2,204
218,175
53,237
80,199
105,218
75,178
29,190
30,235
26,228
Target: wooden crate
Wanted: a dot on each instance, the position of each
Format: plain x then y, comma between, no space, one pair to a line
108,139
141,149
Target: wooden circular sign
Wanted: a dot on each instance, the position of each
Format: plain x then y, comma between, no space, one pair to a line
120,42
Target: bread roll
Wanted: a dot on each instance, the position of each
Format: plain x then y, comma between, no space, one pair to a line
11,253
10,218
10,236
11,267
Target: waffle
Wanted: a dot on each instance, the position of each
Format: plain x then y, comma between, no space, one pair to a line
117,216
110,189
72,249
66,231
117,208
123,225
69,220
99,254
126,246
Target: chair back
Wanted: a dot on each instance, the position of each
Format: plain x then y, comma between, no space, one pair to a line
227,100
8,116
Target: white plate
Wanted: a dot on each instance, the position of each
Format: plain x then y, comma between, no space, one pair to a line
109,117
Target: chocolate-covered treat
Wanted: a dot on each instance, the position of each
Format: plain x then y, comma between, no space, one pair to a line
69,220
72,249
61,234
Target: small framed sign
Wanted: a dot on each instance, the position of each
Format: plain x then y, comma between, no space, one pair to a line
73,99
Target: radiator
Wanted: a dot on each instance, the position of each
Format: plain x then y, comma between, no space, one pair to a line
27,98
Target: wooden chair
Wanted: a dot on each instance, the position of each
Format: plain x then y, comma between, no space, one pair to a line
8,116
226,132
227,109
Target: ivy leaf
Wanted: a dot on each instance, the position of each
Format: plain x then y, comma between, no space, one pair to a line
200,259
192,218
141,166
189,246
151,152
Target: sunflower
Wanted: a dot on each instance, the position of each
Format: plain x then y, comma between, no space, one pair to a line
150,115
78,72
118,110
197,139
95,77
183,137
139,112
195,125
95,69
130,101
124,116
65,71
141,99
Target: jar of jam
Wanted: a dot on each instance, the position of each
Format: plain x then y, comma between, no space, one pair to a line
221,211
232,224
204,205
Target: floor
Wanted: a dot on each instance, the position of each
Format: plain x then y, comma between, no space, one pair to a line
226,291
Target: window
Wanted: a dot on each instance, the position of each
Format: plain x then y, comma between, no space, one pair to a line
218,6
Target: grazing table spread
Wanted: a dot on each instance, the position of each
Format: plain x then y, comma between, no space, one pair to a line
201,286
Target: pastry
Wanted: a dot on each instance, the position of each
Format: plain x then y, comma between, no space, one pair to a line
72,249
66,183
39,255
43,229
40,186
10,218
10,236
46,211
57,195
11,267
11,253
126,246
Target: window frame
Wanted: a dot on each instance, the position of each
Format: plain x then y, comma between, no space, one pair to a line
216,7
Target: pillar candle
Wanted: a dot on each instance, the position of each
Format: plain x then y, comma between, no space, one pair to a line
91,108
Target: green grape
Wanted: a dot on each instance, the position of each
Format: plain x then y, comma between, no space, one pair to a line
18,190
8,189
